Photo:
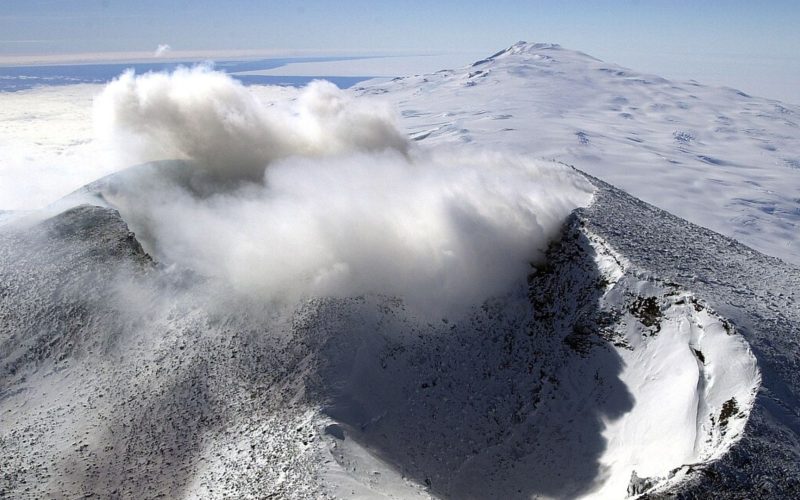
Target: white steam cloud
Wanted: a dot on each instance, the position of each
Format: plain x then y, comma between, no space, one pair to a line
162,50
343,205
206,116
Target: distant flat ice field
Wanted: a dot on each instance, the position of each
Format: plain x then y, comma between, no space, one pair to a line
374,66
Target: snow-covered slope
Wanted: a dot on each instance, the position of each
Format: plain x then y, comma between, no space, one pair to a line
714,156
612,373
757,295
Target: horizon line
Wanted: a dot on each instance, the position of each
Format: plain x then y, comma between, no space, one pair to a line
173,56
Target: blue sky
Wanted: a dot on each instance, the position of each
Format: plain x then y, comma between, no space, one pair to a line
667,37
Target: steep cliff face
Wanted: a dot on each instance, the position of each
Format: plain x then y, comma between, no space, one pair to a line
622,368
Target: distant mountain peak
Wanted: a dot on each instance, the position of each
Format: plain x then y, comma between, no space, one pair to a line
539,50
523,46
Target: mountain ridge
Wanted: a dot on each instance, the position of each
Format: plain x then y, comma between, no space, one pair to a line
358,419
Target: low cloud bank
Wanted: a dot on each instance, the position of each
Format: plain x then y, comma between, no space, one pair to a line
46,145
343,205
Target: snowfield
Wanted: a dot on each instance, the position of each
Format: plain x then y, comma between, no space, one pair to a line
717,157
349,313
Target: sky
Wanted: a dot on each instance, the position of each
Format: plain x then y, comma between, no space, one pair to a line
752,45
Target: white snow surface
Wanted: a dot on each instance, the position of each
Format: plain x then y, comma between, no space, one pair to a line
680,375
715,156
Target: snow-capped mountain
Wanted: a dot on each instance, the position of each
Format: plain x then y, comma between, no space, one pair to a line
717,157
634,354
